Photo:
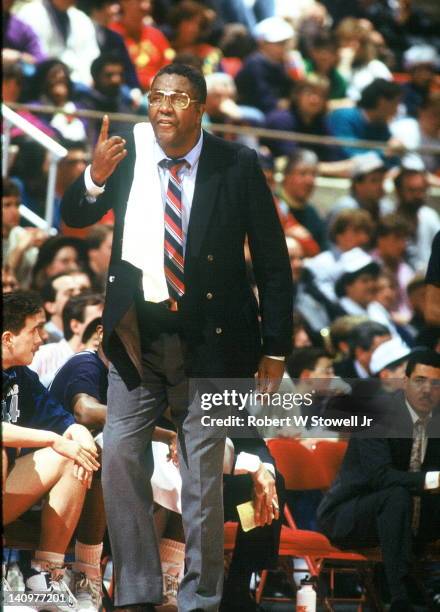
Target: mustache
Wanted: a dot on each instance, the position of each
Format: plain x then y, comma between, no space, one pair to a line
425,396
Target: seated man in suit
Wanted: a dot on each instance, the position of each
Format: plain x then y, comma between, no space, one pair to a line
387,490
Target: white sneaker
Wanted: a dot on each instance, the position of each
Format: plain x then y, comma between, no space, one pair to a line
7,588
5,585
54,593
15,577
87,591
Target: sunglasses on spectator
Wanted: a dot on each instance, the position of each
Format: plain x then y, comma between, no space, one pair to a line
178,99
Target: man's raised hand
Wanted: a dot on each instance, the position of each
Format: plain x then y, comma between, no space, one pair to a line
108,153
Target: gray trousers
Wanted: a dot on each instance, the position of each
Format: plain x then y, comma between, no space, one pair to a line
126,474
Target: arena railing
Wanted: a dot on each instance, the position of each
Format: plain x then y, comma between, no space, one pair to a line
259,132
328,187
55,151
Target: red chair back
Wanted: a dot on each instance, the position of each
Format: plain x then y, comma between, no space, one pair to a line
230,535
329,456
297,464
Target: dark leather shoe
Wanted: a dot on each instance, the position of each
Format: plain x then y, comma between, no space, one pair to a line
278,587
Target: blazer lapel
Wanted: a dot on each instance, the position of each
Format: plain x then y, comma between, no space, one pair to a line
123,187
433,448
400,427
205,194
407,426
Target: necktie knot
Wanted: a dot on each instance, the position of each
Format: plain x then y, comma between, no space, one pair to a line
420,425
174,166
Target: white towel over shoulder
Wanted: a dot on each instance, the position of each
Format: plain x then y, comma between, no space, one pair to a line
143,238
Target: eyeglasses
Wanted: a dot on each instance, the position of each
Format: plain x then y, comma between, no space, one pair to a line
420,382
178,99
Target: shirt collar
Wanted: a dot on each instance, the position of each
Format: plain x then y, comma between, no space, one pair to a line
192,157
362,372
413,414
335,250
352,307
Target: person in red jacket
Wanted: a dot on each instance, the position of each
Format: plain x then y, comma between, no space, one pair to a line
148,48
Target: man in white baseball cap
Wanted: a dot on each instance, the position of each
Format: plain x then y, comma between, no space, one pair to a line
388,362
356,285
366,163
273,30
367,187
421,61
263,80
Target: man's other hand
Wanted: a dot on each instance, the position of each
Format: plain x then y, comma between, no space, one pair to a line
266,505
270,374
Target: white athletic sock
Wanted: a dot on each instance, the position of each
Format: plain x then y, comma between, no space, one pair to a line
45,561
88,558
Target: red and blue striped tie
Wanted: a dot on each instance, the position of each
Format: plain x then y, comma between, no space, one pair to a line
173,244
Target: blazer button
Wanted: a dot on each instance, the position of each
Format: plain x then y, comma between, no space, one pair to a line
210,258
111,279
218,330
209,296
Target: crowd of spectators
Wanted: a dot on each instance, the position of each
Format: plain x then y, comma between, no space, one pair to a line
316,70
363,70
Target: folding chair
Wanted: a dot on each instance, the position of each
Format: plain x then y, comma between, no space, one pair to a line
230,536
329,456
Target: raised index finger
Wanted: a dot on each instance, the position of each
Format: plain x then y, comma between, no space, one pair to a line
103,134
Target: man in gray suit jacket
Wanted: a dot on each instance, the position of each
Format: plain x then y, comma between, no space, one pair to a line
205,326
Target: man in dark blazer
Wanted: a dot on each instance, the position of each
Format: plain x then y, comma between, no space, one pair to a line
387,490
156,342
